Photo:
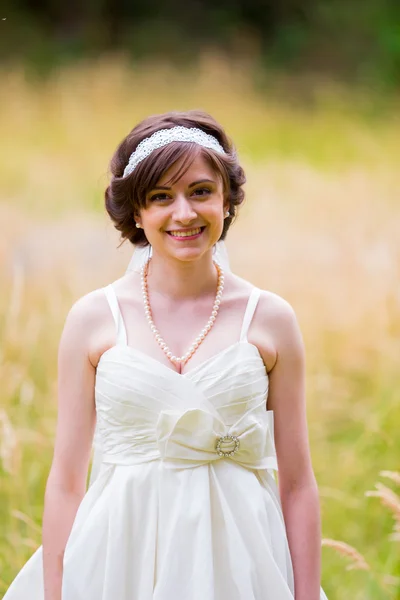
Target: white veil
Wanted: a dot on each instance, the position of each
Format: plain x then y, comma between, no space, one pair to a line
139,258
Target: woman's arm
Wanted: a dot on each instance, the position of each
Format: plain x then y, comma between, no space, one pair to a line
66,484
297,484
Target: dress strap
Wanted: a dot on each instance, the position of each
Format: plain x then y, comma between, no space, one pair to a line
116,312
248,315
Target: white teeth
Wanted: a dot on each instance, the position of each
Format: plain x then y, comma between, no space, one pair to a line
185,233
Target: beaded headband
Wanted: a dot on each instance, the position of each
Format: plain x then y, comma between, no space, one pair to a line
163,137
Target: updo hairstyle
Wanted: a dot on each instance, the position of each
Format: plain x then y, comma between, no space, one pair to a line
125,196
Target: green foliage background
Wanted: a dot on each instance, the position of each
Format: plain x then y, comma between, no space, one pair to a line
344,38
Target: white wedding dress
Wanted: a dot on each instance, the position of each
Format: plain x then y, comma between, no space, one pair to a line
167,517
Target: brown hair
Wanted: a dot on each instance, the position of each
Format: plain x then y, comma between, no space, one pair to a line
125,196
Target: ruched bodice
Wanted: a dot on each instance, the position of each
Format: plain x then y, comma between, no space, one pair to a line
183,424
183,503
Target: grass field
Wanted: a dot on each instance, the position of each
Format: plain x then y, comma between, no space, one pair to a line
320,226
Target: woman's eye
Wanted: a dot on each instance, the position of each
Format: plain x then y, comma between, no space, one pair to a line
204,191
161,196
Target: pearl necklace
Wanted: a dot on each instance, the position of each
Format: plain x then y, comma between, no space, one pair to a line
182,359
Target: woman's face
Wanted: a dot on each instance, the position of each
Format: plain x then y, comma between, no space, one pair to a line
186,219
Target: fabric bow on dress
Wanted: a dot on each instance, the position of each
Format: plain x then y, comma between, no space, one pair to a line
189,439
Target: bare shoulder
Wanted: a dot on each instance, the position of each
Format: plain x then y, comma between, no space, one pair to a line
87,309
274,327
275,310
270,307
85,323
277,320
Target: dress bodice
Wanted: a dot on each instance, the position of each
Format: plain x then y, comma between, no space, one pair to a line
147,411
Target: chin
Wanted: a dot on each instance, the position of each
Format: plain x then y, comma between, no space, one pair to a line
190,254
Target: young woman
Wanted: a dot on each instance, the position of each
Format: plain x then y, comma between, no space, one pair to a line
190,381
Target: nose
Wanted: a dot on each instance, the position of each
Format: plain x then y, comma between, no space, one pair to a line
183,210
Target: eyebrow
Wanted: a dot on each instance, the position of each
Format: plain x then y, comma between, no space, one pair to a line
164,187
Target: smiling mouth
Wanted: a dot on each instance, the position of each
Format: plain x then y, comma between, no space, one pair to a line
188,234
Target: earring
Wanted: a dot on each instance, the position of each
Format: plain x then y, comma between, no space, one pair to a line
227,214
138,225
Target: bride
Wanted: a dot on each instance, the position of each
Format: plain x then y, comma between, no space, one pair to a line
190,383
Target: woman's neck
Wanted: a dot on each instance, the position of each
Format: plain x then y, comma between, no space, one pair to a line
182,279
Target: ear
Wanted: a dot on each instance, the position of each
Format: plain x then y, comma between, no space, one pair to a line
227,200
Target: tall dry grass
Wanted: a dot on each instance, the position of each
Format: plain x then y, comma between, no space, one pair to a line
320,227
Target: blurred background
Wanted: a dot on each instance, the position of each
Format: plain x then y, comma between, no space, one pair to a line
309,92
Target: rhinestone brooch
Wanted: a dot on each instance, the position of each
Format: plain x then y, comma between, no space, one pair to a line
227,438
